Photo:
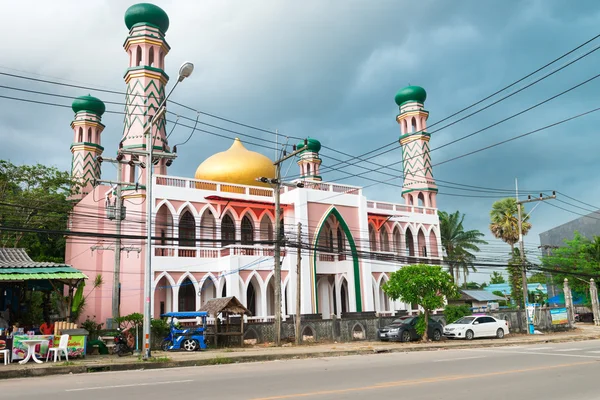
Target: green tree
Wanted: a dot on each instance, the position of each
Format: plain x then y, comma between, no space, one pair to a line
579,256
458,244
425,285
497,278
504,225
34,197
538,277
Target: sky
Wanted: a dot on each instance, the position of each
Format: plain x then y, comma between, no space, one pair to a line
329,69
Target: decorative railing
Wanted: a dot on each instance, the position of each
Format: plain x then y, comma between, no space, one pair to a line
403,208
187,183
214,252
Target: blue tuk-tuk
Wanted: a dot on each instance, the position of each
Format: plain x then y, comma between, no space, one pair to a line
189,339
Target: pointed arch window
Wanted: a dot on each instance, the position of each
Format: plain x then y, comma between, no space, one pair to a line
247,231
227,231
187,230
80,135
151,57
89,135
138,56
413,123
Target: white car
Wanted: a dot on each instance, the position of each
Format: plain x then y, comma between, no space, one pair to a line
476,326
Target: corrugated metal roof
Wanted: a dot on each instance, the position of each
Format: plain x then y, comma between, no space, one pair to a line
16,265
18,258
481,295
41,276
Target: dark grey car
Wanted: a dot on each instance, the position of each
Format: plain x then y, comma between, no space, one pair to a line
403,330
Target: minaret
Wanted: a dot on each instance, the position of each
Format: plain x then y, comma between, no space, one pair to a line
87,127
419,187
146,81
309,162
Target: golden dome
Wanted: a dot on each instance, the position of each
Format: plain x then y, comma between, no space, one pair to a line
236,165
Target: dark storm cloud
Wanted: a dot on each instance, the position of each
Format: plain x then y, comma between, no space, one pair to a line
330,69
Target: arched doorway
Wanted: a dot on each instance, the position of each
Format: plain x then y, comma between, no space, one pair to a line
164,230
422,244
227,231
187,230
384,241
372,238
397,235
410,244
247,231
326,305
266,229
384,300
208,229
253,296
271,297
334,217
433,244
208,291
187,296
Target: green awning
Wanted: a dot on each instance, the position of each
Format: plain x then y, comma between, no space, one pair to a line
24,274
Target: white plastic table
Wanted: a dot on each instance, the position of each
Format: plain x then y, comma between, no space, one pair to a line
31,350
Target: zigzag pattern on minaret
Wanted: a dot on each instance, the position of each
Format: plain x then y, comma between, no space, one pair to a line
134,110
417,161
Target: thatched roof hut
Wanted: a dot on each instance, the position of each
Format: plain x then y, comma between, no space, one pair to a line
221,333
226,305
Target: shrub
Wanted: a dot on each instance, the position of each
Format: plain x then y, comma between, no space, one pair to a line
454,313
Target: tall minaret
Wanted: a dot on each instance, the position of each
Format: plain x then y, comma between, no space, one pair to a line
87,127
309,162
146,81
419,187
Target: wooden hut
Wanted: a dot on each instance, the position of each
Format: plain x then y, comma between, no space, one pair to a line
228,313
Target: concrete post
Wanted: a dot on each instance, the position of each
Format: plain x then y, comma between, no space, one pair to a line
569,302
594,297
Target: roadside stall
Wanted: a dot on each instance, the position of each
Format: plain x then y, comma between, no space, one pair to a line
22,281
228,313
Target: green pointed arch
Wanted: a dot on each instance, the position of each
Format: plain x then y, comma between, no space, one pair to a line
353,250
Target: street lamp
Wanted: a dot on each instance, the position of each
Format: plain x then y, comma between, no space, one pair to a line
184,72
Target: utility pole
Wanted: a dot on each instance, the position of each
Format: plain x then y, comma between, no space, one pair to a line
522,251
116,212
276,183
117,272
298,282
184,71
595,306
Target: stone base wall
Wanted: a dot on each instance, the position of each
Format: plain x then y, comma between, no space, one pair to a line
363,326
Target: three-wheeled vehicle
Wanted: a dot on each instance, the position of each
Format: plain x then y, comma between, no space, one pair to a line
190,338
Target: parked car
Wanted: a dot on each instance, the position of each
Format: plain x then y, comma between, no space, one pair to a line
476,326
403,330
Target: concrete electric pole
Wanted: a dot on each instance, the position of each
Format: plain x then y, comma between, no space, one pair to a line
118,213
522,252
276,183
298,283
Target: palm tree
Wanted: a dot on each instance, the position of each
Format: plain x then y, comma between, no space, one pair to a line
504,225
458,244
504,221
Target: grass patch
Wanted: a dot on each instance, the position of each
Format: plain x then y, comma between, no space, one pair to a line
155,359
219,360
64,364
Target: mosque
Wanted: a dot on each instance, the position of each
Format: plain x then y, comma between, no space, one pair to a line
215,230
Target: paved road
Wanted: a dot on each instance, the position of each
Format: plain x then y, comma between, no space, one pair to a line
554,371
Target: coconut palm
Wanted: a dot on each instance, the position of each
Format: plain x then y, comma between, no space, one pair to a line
458,244
504,225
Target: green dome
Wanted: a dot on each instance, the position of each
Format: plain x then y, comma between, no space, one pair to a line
147,13
411,93
313,145
88,103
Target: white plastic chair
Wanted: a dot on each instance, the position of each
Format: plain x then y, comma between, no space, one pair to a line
6,354
62,347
